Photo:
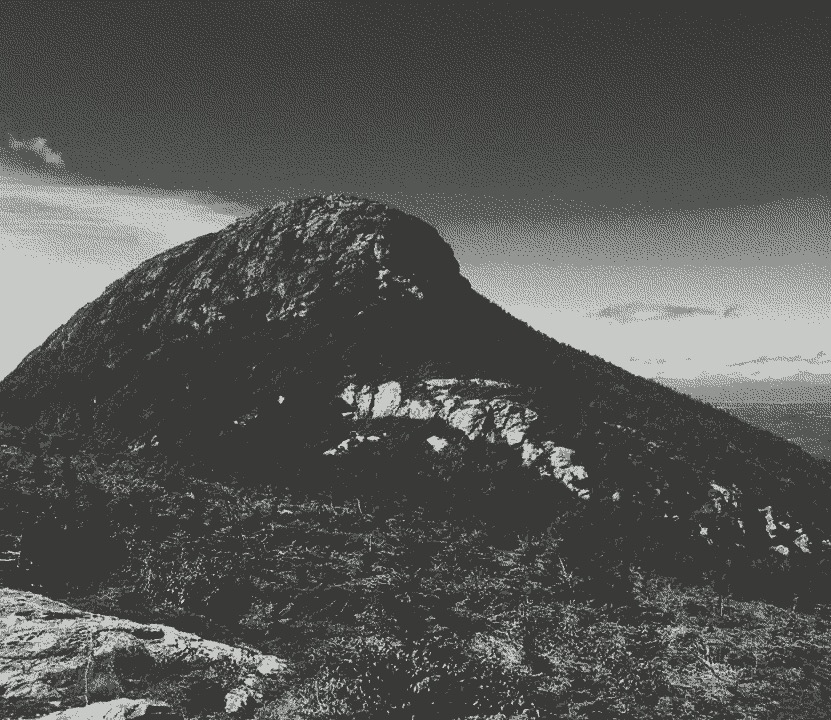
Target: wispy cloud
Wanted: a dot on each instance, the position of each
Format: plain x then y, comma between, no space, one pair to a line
39,147
638,310
821,358
60,245
100,224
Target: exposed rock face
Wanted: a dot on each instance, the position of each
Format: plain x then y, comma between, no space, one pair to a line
46,646
121,709
784,534
554,461
496,418
161,327
351,443
461,404
241,700
232,348
721,520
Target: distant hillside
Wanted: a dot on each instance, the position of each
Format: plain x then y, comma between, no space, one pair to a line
730,389
805,424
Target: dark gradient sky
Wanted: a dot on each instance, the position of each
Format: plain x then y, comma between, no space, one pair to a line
672,110
543,143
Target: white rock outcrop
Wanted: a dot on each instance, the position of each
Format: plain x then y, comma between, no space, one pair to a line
351,443
386,400
783,533
460,403
121,709
437,443
44,644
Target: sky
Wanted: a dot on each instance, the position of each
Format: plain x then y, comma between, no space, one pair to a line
651,187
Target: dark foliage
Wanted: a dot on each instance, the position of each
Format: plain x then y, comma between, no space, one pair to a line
163,459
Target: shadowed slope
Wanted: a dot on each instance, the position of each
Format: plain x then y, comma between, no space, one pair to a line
233,350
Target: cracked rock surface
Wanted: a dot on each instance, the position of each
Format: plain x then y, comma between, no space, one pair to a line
494,416
49,649
121,709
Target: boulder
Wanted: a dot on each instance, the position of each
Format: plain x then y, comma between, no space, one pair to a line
437,443
387,400
243,699
470,420
121,709
52,653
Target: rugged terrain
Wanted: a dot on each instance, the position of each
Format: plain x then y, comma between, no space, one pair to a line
306,432
258,346
54,655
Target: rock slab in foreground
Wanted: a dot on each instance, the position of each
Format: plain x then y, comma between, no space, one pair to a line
121,709
50,651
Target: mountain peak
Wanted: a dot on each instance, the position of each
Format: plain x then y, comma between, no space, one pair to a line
282,339
304,252
317,261
296,256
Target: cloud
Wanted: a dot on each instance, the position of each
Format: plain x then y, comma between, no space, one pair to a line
821,358
115,227
39,147
637,310
732,378
61,245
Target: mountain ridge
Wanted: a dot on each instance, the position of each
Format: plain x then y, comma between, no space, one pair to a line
234,350
308,434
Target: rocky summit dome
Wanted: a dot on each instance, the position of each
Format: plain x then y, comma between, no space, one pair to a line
227,313
294,257
323,330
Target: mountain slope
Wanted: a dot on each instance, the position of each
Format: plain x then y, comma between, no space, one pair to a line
256,346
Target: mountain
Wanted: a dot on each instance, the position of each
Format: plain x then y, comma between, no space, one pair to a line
805,424
798,387
321,328
307,435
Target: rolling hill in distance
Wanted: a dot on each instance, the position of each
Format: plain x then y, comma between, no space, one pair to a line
796,408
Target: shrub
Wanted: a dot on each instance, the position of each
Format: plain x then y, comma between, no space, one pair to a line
436,677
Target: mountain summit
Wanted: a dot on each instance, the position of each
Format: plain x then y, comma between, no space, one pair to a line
335,330
219,303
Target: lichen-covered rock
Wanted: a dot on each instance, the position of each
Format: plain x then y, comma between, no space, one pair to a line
387,400
45,646
437,443
470,420
784,534
554,461
351,443
243,699
723,497
417,410
495,417
121,709
272,275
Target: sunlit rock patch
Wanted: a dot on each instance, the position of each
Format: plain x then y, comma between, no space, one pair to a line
479,408
45,646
